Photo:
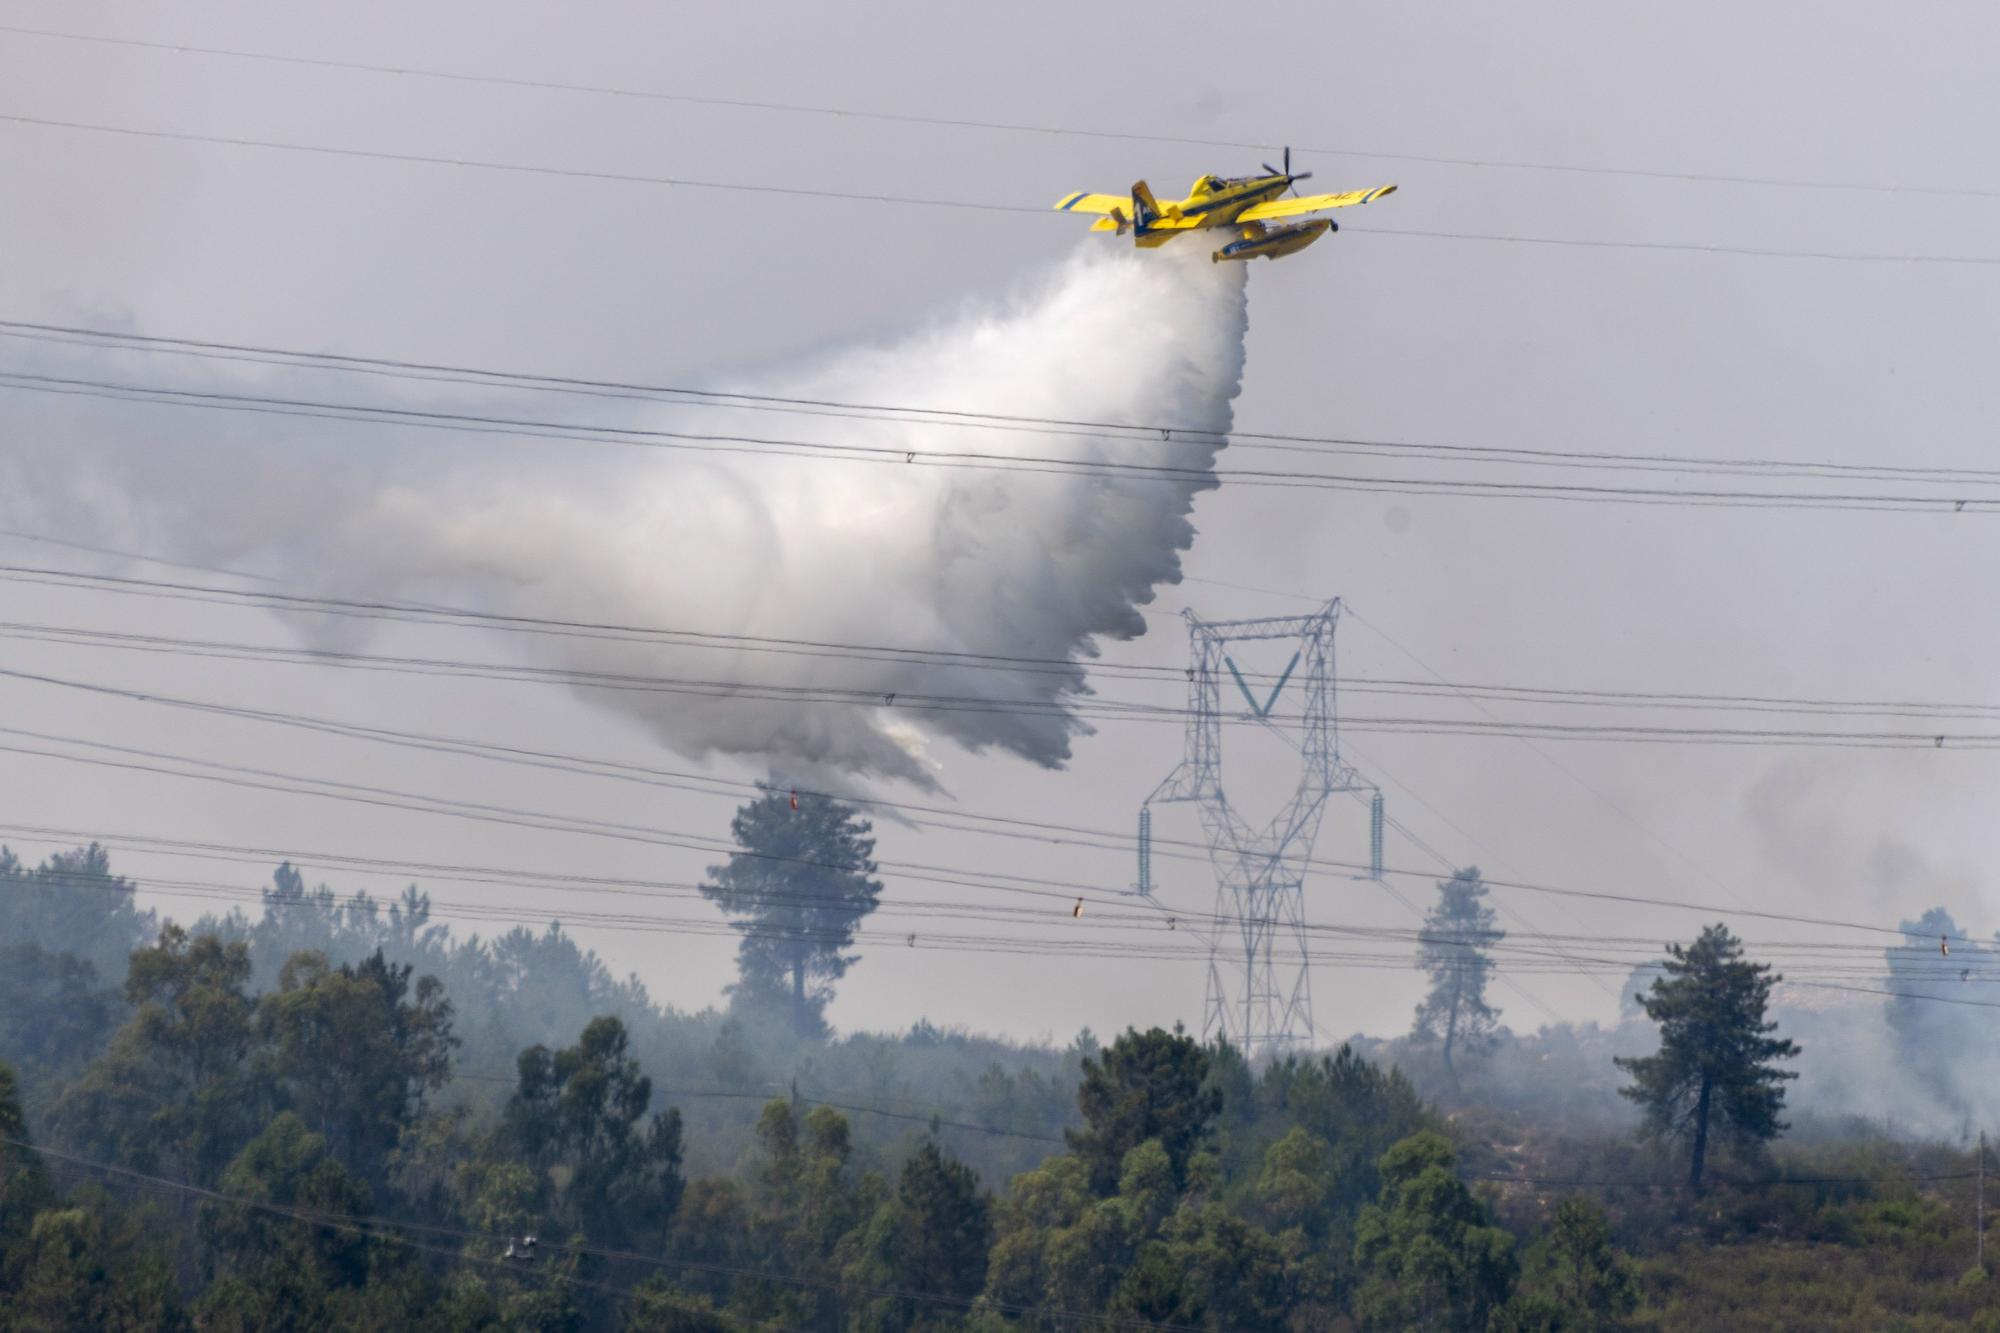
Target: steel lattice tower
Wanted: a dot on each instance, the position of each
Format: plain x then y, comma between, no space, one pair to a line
1258,999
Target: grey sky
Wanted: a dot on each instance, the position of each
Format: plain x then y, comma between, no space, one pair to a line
1368,334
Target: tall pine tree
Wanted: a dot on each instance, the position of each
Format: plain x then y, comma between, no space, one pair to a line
1716,1070
798,890
1452,949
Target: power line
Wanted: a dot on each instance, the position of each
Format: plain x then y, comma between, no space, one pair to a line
1072,829
429,614
122,554
1038,831
449,910
1603,798
956,660
1512,957
1097,707
995,944
1981,955
899,455
247,777
919,201
713,845
1094,709
1449,868
1733,464
1571,774
1008,127
230,774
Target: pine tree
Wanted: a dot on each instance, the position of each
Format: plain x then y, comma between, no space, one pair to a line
1149,1085
943,1227
798,890
1451,948
1715,1071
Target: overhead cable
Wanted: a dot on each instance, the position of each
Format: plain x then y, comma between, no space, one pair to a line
927,201
848,113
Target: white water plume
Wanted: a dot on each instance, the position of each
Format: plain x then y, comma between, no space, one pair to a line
999,556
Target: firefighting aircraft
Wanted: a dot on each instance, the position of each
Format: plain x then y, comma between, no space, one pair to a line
1241,203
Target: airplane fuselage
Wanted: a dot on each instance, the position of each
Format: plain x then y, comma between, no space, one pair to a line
1217,202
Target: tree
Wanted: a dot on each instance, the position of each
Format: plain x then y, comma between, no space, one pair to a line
1715,1071
579,1115
797,890
269,1260
24,1181
659,1306
1149,1085
62,1267
1296,1185
1430,1256
1055,1243
173,1090
73,904
68,1273
54,1015
808,1204
356,1051
943,1226
1452,949
1356,1109
711,1230
1207,1268
1576,1274
529,988
296,919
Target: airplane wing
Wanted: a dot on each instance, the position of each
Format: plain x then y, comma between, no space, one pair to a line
1312,203
1084,202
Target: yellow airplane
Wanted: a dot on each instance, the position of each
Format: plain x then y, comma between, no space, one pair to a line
1245,203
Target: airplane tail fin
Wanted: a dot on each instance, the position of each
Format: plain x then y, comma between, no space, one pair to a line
1145,208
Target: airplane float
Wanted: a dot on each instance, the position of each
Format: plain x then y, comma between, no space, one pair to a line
1244,204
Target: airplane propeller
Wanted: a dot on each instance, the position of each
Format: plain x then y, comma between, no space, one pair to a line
1290,179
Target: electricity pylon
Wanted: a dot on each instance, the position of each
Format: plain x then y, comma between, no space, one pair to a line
1259,999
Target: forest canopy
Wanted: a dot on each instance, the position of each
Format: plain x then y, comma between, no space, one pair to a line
336,1112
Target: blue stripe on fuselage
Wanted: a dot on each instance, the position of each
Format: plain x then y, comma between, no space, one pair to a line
1244,195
